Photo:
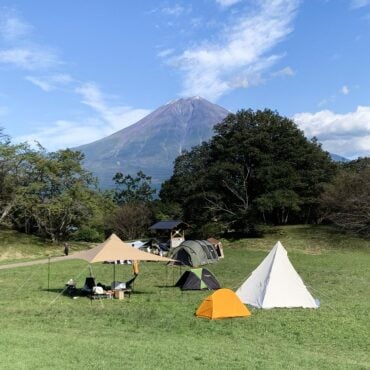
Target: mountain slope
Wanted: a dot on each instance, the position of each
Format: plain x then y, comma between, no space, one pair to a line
152,144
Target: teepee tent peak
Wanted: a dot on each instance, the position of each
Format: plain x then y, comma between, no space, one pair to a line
275,283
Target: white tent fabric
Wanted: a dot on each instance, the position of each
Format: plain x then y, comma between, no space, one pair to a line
275,283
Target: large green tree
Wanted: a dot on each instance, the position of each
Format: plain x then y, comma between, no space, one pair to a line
46,193
14,173
57,196
258,166
346,200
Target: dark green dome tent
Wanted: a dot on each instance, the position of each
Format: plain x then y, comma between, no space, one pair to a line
197,279
194,253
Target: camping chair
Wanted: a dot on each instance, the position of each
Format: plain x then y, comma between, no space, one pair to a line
124,286
130,282
90,283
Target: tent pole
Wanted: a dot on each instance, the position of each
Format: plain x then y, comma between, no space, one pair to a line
114,271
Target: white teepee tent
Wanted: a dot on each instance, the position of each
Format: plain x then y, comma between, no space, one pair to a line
275,283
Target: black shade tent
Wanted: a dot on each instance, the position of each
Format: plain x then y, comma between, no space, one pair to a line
197,279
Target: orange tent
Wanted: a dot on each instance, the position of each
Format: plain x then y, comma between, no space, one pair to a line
221,304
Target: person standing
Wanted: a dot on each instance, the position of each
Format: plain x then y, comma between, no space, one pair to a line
66,249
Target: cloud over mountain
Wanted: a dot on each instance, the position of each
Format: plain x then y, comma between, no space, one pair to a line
242,53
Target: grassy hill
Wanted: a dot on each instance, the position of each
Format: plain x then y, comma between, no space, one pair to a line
17,247
156,327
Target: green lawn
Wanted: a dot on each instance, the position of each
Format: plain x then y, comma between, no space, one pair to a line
156,327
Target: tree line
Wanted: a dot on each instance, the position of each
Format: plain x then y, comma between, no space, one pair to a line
258,168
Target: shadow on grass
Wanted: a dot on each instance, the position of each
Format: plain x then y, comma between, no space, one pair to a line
53,290
166,286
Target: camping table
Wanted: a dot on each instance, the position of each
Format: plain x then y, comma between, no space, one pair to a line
120,293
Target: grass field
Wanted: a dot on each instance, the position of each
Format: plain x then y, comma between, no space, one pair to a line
156,327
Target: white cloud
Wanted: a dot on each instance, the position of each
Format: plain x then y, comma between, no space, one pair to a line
345,134
20,51
72,133
69,133
29,58
12,27
175,10
241,54
226,3
285,72
49,83
165,53
116,117
356,4
62,134
344,90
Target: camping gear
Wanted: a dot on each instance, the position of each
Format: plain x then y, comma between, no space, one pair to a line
71,288
221,304
275,283
120,285
90,283
218,246
196,279
135,267
194,253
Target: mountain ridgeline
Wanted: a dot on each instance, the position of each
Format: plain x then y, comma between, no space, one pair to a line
153,143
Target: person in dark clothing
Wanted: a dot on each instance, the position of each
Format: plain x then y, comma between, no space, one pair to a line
66,249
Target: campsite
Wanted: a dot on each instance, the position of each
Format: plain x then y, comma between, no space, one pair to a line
156,325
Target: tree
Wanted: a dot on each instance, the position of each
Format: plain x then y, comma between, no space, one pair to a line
14,173
131,220
258,166
52,194
133,189
346,200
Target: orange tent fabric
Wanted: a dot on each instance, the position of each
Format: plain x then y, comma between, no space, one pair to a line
221,304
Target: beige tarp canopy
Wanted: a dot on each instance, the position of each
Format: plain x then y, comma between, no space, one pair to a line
115,249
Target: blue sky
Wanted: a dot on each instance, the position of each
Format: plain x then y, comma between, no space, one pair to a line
72,72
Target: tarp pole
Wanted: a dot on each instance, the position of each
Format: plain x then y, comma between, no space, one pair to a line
49,274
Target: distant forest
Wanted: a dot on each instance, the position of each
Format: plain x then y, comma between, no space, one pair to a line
257,169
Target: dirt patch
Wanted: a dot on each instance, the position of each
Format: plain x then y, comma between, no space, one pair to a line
11,256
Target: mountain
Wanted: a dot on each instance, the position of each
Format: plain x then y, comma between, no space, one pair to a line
338,158
153,143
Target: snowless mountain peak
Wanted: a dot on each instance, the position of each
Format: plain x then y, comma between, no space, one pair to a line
153,143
